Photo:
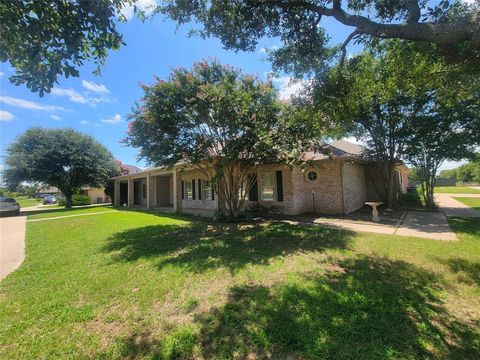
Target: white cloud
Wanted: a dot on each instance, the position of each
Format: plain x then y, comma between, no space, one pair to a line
6,116
147,6
72,95
96,94
56,117
84,122
266,50
1,74
26,104
113,120
96,88
289,86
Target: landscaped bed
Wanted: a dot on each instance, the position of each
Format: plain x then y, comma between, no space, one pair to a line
133,284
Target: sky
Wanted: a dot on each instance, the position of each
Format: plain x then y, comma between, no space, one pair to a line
98,105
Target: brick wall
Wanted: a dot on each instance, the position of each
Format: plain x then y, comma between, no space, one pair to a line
327,186
354,185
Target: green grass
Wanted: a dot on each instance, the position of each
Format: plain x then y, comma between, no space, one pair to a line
139,285
456,190
472,202
25,201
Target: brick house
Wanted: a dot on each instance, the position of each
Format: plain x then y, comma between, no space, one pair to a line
335,184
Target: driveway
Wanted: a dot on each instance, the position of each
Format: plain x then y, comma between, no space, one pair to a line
12,243
451,207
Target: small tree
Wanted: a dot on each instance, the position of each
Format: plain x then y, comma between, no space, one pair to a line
64,158
219,121
389,99
454,136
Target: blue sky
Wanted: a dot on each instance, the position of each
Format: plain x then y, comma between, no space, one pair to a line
98,105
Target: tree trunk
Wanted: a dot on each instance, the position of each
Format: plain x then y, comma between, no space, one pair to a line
68,201
388,172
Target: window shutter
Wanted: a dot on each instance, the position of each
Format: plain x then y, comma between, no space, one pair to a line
193,189
213,191
199,189
279,185
253,193
183,190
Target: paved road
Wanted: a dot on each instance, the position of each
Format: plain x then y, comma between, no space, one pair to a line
12,244
451,207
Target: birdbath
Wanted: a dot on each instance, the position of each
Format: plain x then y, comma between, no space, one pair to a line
374,205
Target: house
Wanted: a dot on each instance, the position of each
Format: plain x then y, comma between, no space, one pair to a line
96,195
46,190
338,183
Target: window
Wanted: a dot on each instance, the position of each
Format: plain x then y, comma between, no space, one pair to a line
312,176
206,190
188,190
268,186
144,191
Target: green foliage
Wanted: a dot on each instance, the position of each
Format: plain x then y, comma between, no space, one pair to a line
469,172
77,200
389,98
43,41
64,158
301,28
217,119
448,174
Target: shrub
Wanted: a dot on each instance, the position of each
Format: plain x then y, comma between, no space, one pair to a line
77,200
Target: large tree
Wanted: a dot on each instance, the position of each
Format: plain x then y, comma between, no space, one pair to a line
220,121
391,96
452,26
43,40
64,158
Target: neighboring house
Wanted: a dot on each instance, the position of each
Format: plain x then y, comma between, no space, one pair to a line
96,195
45,190
331,184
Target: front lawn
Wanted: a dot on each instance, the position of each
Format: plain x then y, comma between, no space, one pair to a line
455,190
25,201
472,202
132,284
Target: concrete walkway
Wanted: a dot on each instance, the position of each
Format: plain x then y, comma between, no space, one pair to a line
451,207
12,244
422,224
426,224
70,216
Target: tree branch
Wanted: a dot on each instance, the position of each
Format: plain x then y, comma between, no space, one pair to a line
443,34
345,44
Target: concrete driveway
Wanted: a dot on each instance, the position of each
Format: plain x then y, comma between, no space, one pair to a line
451,207
12,243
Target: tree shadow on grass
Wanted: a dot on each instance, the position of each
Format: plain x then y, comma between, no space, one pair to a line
370,308
470,269
200,246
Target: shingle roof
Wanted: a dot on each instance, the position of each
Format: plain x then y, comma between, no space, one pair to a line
338,148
